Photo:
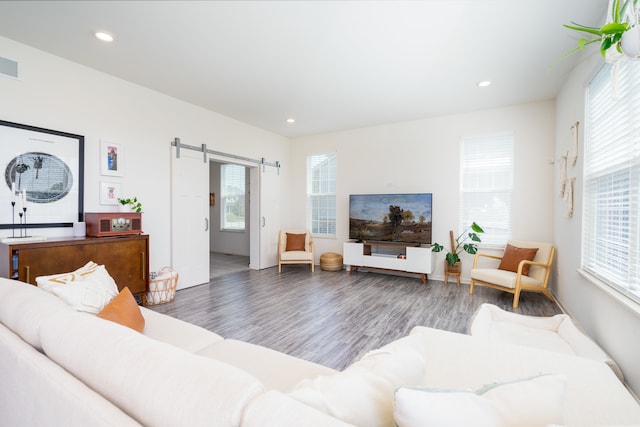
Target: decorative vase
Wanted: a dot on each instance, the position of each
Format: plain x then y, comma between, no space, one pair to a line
630,42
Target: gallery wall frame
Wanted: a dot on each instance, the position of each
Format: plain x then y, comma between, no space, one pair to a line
49,166
110,192
111,158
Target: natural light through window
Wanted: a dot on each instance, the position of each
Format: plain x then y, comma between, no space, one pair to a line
486,185
232,189
611,229
321,193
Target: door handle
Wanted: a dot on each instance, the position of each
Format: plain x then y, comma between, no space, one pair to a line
206,224
264,222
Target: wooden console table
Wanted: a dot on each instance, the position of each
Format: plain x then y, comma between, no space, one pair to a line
126,258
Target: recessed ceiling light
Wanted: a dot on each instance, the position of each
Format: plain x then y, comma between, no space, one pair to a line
484,83
291,120
105,37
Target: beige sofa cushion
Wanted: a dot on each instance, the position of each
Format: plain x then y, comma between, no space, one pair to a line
594,395
28,309
276,370
179,333
37,392
531,402
274,409
556,333
362,394
157,384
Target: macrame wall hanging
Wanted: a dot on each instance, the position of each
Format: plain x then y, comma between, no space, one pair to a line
569,159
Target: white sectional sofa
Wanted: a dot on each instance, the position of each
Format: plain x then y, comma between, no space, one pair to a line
60,367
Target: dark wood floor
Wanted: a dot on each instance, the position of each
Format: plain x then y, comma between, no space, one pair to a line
333,318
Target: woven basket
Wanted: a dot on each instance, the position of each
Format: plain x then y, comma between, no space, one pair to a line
331,261
162,288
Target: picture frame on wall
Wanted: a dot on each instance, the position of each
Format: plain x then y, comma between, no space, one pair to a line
110,192
42,176
111,158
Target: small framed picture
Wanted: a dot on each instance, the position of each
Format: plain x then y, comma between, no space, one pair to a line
110,192
111,158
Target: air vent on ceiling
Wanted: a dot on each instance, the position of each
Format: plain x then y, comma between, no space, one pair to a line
8,67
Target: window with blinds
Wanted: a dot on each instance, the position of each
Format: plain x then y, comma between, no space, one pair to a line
486,185
321,193
611,229
232,195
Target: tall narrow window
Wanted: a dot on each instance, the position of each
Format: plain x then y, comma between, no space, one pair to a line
321,193
232,189
486,185
611,229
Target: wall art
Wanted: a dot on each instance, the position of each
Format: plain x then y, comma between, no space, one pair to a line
43,172
111,158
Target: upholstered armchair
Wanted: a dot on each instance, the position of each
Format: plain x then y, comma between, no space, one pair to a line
524,266
295,247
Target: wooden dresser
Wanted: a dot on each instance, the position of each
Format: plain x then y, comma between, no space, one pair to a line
126,258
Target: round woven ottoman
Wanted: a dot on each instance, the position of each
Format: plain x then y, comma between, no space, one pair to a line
331,261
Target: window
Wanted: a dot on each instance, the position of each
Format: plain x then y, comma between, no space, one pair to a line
611,230
321,193
486,184
232,194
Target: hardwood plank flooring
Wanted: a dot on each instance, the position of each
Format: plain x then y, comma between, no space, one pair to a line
333,318
221,264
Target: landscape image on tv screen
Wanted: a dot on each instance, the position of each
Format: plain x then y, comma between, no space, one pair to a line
402,218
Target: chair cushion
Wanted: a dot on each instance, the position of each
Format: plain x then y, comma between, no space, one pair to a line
295,242
296,256
512,257
503,278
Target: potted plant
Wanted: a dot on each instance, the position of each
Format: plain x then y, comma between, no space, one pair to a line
621,19
132,205
460,244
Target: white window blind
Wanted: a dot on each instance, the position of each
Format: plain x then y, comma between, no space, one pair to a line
486,185
611,231
232,189
321,192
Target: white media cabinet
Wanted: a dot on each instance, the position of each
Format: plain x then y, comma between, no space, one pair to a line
390,256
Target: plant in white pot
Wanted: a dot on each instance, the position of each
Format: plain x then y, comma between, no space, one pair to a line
460,244
130,205
621,32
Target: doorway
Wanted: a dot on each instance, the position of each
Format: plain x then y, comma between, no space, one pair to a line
229,213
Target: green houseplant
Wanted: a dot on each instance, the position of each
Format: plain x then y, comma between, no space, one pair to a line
610,34
466,241
133,204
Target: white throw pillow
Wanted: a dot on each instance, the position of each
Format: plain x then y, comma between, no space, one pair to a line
362,394
90,288
533,402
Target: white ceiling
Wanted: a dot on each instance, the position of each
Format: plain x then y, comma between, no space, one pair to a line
332,65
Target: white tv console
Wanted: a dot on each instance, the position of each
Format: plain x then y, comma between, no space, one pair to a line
393,256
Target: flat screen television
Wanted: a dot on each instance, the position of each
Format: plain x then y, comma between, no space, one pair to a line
400,218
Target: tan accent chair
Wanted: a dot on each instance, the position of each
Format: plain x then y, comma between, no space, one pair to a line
508,281
295,256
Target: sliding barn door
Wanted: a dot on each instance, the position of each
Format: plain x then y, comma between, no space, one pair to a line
190,217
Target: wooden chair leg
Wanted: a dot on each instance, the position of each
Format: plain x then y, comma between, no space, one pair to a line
516,298
312,267
471,287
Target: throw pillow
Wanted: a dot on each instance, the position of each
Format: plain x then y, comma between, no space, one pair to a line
532,402
123,309
512,257
88,289
295,242
362,394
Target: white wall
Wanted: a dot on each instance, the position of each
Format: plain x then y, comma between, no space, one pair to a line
422,156
610,318
58,94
